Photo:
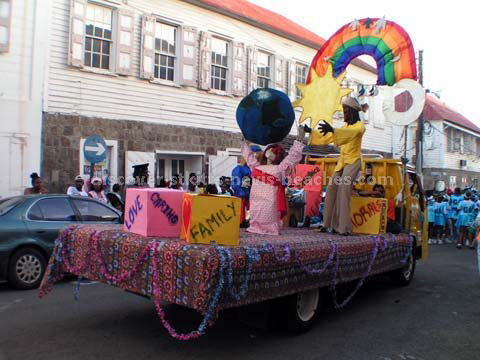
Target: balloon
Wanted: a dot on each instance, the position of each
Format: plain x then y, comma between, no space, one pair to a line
265,116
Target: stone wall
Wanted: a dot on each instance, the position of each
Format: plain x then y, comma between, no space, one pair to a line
61,136
431,176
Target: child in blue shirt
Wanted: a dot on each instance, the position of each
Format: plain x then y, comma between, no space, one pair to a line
454,201
465,218
441,211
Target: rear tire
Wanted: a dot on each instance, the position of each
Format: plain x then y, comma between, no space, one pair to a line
404,276
26,269
298,312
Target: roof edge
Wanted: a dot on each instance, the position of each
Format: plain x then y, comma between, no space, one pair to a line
250,21
357,62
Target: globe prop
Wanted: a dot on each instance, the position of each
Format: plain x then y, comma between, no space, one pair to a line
265,116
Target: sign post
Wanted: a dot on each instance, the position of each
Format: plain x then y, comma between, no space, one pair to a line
94,151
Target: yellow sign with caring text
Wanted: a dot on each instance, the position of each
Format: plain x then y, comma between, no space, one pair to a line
369,215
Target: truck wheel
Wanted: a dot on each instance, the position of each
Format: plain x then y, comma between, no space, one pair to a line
404,276
26,269
300,310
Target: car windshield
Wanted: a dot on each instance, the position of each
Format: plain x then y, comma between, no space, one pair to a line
9,203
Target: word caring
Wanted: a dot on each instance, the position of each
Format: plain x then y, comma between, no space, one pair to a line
133,212
367,212
166,209
213,222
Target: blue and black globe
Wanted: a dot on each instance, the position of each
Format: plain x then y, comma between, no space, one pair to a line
265,116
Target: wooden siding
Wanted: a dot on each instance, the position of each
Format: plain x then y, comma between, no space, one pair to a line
73,91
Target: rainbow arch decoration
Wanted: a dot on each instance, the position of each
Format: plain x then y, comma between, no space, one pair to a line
387,42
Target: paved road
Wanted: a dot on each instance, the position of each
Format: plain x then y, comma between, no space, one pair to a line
436,317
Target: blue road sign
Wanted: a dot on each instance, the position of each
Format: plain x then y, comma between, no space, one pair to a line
95,149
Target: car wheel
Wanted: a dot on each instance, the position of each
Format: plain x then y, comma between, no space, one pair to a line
26,269
404,276
298,312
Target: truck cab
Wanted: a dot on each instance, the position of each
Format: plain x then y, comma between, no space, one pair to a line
403,188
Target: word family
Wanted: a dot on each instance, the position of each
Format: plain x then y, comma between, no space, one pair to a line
213,222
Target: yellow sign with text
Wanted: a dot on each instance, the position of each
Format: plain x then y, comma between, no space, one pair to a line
369,215
207,218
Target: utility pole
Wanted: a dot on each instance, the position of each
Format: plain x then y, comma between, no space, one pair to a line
420,120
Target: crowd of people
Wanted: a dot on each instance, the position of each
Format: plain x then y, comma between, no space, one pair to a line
453,217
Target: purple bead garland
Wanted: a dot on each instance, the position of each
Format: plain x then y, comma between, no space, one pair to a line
360,283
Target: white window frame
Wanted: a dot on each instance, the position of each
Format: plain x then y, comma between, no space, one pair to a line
305,66
178,57
6,22
112,41
228,84
271,78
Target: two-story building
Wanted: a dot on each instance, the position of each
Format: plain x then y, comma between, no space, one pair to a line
451,146
23,54
161,81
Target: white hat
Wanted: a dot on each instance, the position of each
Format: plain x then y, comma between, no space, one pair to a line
352,102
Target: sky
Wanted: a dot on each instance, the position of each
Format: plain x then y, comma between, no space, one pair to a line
444,30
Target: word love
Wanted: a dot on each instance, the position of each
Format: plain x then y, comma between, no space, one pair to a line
166,209
133,212
366,212
213,222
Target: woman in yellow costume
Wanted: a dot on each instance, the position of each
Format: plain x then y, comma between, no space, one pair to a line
349,139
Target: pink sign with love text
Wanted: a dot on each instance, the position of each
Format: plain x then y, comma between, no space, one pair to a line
153,212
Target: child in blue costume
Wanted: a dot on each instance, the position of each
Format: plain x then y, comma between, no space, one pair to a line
431,218
455,200
441,211
465,218
241,176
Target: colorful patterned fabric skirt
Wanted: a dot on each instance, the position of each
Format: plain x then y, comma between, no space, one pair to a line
263,266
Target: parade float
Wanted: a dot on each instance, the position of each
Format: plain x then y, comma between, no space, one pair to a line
189,250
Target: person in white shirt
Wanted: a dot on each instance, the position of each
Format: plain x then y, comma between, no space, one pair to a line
77,189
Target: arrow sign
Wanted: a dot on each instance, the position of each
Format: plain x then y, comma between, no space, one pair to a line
94,149
99,149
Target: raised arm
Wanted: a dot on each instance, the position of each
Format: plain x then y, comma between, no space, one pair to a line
294,156
249,156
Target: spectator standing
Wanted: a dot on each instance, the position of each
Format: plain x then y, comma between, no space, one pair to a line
242,181
192,183
77,188
225,186
431,218
466,210
454,201
441,211
37,186
96,191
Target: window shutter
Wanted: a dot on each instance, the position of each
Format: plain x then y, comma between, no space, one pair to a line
280,73
126,20
148,40
5,25
205,60
238,79
76,53
252,54
189,59
292,90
